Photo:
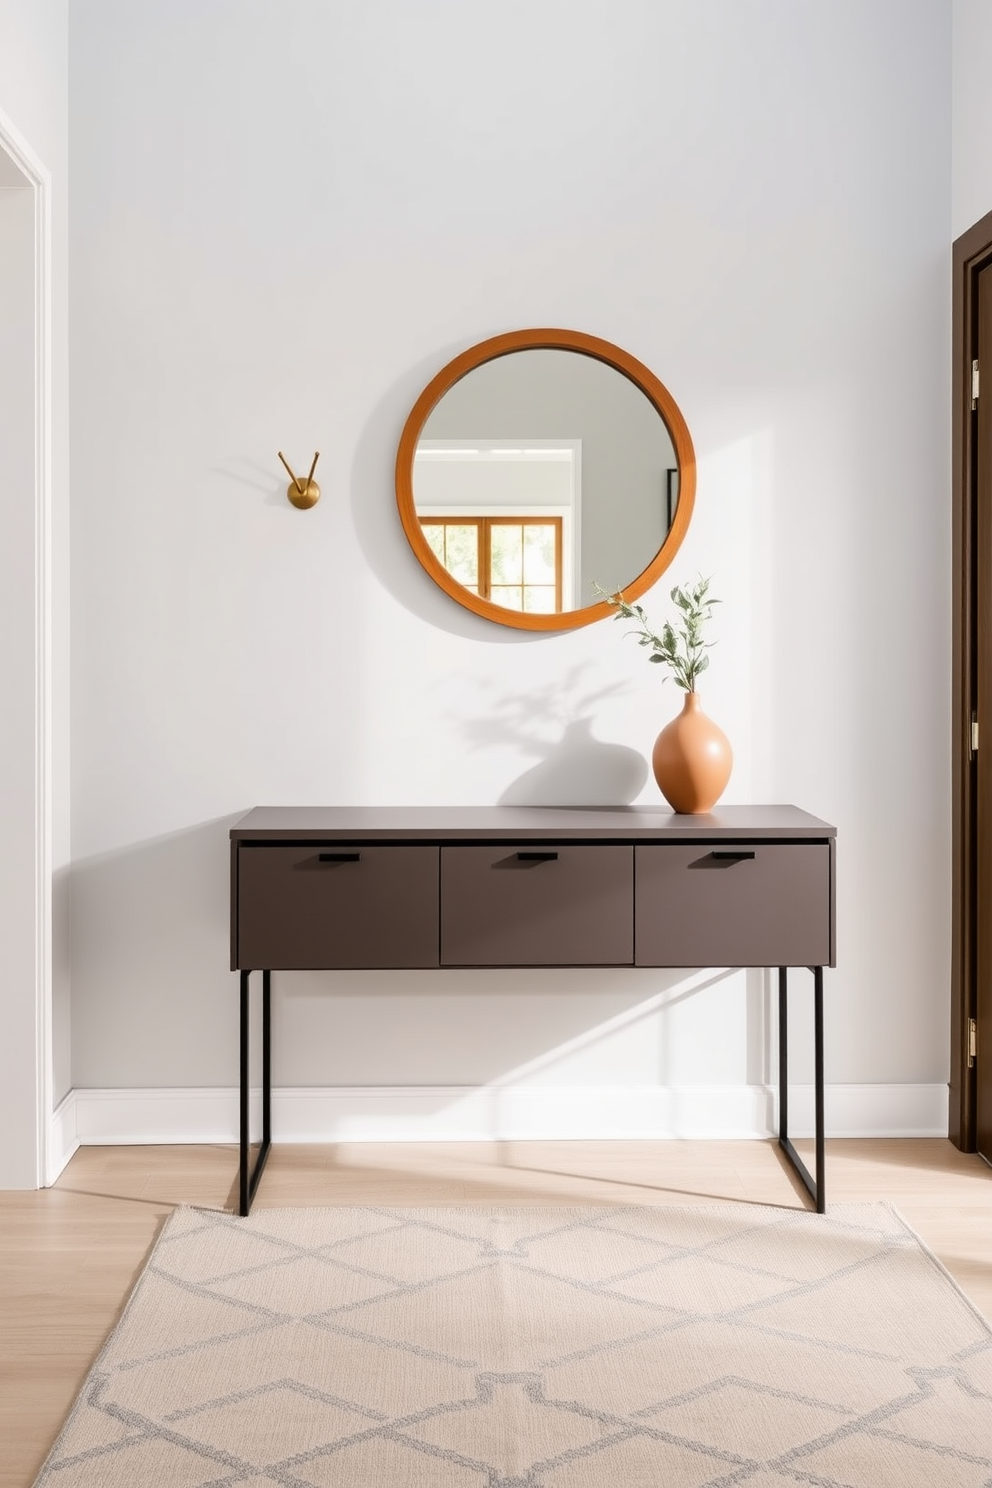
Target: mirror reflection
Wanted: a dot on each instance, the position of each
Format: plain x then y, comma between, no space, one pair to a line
538,464
541,472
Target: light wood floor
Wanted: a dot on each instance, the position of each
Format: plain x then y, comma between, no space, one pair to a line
69,1255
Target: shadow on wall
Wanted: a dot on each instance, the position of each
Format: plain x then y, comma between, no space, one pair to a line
493,1027
155,1004
580,771
555,725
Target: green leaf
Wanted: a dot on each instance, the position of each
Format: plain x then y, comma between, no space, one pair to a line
683,650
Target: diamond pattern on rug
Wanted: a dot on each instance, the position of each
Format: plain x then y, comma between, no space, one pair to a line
552,1317
273,1421
643,1461
511,1426
382,1462
302,1286
537,1348
391,1255
886,1463
739,1417
313,1357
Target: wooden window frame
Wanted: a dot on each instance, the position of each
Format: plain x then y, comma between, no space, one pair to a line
484,523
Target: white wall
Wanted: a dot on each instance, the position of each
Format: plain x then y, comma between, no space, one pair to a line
285,220
971,133
33,107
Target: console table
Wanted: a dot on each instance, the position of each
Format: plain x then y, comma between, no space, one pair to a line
349,888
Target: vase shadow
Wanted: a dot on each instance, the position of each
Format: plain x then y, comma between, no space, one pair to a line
580,770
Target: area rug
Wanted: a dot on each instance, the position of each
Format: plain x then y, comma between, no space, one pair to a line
537,1348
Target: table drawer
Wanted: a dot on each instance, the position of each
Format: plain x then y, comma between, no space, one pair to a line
530,904
336,904
733,904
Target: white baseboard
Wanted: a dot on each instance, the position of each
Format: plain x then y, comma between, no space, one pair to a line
62,1136
514,1113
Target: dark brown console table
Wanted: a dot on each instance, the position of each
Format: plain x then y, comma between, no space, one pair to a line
349,888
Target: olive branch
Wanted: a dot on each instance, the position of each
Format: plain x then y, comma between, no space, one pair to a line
683,650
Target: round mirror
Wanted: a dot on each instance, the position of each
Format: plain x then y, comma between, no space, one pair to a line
537,465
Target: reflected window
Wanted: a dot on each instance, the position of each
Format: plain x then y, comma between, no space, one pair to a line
515,561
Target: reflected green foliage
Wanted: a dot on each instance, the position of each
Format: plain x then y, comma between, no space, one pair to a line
510,596
539,601
457,547
434,534
507,558
539,556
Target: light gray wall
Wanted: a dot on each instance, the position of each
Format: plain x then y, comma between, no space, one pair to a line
285,219
971,133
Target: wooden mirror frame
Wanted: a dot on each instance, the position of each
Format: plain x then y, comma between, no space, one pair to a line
553,340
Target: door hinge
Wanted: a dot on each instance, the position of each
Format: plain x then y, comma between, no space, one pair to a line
974,734
974,384
972,1041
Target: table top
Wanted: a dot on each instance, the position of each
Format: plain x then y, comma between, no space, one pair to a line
529,823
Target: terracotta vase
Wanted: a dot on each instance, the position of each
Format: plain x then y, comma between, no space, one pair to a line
692,760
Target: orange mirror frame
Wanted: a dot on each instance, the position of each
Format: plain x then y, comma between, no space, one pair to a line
556,340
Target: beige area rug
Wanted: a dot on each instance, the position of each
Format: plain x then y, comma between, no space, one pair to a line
537,1348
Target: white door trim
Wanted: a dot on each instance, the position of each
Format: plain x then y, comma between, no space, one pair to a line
38,180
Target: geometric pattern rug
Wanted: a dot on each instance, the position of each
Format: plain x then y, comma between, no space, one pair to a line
524,1347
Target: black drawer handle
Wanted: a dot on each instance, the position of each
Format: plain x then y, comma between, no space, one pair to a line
732,857
343,857
537,857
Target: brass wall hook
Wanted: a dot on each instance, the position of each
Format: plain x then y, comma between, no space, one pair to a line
306,493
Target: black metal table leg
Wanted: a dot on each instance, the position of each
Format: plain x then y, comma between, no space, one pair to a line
816,1189
247,1176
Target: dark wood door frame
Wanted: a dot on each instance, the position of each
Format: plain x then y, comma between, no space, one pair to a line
972,252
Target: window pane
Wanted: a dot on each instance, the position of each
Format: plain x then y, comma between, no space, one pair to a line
462,553
507,561
510,596
522,554
539,554
539,601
